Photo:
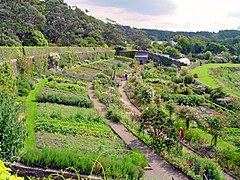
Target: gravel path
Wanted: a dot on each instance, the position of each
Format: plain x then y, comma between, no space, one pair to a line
160,169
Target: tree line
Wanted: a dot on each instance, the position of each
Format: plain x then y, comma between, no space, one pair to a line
55,23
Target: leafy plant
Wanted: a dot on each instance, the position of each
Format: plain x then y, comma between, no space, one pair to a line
5,173
12,132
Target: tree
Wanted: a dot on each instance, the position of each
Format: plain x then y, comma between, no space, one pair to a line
173,52
188,114
215,124
215,48
217,93
159,126
183,45
35,38
12,132
113,35
171,106
197,45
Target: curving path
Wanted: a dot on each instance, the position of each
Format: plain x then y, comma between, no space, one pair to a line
160,169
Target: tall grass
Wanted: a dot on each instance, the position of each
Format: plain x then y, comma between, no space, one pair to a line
113,167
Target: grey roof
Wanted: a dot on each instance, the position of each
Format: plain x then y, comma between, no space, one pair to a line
141,56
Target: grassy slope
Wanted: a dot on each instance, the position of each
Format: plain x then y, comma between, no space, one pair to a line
204,75
30,112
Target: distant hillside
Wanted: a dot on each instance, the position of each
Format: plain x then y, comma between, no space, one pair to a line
55,23
163,35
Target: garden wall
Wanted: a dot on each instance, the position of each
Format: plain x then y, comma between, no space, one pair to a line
27,56
8,53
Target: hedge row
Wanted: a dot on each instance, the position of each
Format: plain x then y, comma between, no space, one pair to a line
193,100
8,53
59,98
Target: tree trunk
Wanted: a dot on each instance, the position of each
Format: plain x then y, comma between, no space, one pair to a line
215,140
187,123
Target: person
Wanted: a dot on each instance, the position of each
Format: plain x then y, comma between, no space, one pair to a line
126,76
181,134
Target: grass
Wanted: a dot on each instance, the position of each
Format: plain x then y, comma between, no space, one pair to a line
30,111
110,167
204,74
81,143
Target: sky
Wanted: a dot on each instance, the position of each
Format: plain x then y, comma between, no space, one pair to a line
173,15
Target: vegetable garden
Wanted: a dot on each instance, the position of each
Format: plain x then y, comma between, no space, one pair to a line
66,131
70,133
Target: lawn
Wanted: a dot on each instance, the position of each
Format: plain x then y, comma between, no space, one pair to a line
205,77
30,111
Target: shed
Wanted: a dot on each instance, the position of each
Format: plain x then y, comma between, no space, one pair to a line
142,57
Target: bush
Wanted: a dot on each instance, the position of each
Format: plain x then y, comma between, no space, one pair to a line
61,98
5,173
12,132
178,80
184,99
195,166
188,79
114,115
23,87
73,88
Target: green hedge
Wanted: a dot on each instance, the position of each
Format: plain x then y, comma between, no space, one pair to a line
123,58
8,53
184,99
65,99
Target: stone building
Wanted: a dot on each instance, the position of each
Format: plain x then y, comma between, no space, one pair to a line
142,57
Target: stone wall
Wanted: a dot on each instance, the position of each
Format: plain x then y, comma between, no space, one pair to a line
23,170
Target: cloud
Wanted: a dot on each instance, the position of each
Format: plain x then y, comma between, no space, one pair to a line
176,15
234,14
152,8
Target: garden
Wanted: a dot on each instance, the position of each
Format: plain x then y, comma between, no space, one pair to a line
66,132
169,102
69,132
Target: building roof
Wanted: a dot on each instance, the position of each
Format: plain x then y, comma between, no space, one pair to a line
184,61
141,56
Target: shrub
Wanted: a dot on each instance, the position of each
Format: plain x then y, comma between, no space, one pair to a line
178,80
184,99
12,132
23,87
196,167
61,98
113,115
73,88
188,79
5,173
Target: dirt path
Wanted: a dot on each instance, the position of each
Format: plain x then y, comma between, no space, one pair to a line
126,101
160,169
133,108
